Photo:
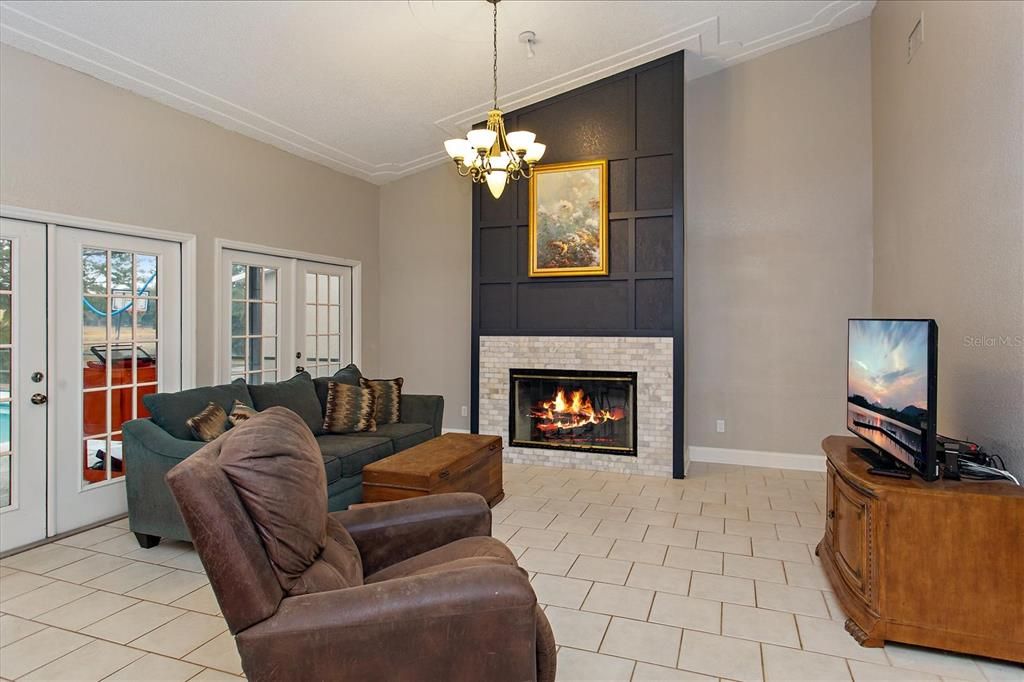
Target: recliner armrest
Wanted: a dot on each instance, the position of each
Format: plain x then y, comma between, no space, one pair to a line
475,623
423,409
394,531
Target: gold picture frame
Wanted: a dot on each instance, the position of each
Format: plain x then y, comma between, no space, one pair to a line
569,213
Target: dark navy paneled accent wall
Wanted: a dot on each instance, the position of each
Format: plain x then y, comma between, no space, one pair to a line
634,120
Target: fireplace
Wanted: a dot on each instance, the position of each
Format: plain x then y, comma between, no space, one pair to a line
588,411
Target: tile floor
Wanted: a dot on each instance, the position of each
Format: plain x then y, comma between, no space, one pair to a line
642,578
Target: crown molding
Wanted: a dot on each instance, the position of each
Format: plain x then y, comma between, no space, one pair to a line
703,39
693,38
45,40
832,16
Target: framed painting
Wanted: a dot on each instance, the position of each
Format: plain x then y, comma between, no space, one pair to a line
569,219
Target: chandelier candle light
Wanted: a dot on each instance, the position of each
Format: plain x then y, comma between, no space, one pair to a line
489,155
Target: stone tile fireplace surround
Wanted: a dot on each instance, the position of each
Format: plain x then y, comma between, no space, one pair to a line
649,357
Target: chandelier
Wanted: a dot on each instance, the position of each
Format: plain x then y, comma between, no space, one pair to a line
489,155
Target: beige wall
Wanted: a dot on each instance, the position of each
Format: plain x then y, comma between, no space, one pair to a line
72,144
949,203
778,225
426,286
779,219
778,242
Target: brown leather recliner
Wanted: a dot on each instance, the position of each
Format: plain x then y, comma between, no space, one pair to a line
409,590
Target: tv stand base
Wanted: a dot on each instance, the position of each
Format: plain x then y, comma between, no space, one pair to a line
899,554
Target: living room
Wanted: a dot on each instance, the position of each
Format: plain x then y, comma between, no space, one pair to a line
618,364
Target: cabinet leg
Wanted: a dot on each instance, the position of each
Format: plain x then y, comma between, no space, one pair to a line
862,637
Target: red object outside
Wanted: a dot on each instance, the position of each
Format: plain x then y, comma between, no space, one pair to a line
94,403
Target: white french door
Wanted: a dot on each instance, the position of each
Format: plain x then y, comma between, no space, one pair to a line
283,315
115,318
323,330
256,286
22,383
90,322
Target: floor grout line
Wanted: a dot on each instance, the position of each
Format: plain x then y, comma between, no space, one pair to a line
707,486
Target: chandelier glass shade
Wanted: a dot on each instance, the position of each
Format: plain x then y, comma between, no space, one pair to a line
489,155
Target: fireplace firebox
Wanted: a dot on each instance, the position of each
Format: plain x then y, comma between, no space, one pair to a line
588,411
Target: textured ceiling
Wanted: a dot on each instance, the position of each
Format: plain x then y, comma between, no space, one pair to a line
373,88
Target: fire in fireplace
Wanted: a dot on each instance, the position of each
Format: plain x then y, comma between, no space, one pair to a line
571,409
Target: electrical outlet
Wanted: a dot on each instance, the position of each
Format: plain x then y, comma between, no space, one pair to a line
720,426
465,411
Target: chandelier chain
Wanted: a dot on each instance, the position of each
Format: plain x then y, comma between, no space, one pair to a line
487,155
495,4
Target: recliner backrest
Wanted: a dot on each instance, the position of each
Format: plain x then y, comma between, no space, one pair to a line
225,538
255,503
275,464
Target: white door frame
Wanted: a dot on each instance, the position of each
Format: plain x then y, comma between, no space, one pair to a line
188,301
220,245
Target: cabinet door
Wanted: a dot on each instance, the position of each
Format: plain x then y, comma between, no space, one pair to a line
851,533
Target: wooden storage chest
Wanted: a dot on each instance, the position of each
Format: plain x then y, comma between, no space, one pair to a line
454,462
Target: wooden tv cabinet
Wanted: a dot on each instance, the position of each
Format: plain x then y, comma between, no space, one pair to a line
934,564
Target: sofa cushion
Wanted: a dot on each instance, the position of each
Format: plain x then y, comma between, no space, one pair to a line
473,551
387,398
273,462
348,374
332,468
403,436
297,394
354,452
240,412
171,411
208,424
349,409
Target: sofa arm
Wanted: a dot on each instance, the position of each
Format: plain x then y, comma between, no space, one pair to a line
423,409
149,453
146,433
476,623
394,531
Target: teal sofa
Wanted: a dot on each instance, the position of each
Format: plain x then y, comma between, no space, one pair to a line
153,446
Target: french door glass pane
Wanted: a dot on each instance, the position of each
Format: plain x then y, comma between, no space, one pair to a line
145,274
6,351
323,324
145,310
254,323
119,352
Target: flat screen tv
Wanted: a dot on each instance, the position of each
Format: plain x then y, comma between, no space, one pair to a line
891,386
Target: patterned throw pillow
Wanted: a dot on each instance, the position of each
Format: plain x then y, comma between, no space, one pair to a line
208,424
240,412
387,394
349,409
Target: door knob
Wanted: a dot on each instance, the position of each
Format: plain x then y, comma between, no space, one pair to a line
38,398
300,368
36,377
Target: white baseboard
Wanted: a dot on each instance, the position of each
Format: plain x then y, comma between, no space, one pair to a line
445,429
756,458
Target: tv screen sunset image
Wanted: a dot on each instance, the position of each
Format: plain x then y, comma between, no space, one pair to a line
887,396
